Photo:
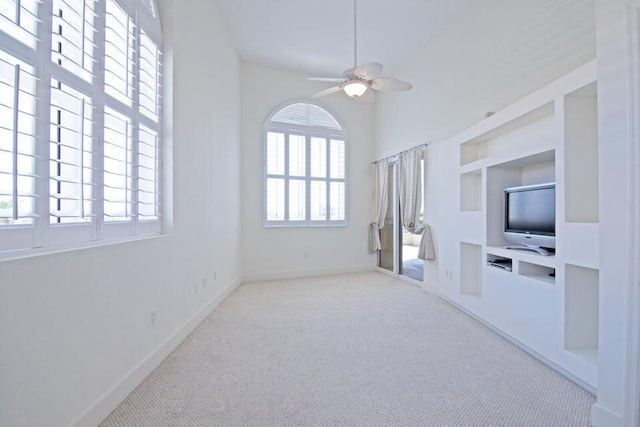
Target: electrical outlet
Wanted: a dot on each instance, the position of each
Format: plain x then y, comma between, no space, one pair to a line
215,275
195,288
154,318
306,255
204,282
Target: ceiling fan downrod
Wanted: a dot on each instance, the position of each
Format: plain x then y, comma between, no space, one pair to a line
355,33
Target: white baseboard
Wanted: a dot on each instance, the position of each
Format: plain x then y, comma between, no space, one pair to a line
431,288
600,417
296,274
525,348
112,398
427,287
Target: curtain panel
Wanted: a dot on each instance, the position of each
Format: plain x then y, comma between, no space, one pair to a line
380,203
410,188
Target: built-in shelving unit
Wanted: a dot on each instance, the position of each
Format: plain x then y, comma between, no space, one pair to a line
547,303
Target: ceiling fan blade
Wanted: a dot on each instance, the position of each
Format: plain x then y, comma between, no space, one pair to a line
326,92
368,71
366,98
327,79
387,83
348,73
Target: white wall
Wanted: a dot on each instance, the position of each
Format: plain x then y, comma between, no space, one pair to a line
73,325
614,129
279,252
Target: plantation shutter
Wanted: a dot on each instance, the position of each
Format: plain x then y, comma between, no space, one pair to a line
119,61
118,166
73,36
150,77
148,174
305,168
71,148
80,121
17,141
149,178
72,156
19,19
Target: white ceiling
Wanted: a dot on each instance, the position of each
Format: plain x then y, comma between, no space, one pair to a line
316,36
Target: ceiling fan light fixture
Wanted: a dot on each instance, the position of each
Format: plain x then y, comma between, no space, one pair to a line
355,89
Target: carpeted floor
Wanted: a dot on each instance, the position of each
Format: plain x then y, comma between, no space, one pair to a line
349,350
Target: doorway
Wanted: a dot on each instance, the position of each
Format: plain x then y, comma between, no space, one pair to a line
410,265
399,247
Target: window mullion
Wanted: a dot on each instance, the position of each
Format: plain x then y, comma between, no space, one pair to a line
14,142
328,181
43,112
97,230
286,177
307,179
135,115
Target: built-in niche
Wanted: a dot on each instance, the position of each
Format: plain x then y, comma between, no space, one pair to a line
533,169
471,191
470,269
582,291
581,155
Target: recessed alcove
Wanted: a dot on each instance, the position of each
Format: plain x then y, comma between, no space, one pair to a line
581,295
471,191
470,269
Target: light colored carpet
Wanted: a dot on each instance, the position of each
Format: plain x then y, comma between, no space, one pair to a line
349,350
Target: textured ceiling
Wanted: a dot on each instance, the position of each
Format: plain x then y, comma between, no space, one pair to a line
316,36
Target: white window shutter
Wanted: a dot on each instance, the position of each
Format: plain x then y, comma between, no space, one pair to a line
119,61
118,166
80,121
304,168
17,142
71,155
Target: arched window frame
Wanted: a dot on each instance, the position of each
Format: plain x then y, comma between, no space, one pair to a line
37,49
309,132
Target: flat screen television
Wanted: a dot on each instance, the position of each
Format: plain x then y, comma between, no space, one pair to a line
530,217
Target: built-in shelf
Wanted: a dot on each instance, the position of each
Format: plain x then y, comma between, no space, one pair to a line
582,290
510,136
470,269
527,256
500,263
537,272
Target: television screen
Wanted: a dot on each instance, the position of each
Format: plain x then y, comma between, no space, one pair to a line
531,210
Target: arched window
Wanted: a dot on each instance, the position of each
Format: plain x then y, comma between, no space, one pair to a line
80,121
305,173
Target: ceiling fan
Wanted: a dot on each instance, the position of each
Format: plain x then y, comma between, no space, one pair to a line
359,82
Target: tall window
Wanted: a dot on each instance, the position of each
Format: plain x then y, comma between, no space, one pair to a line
305,177
80,121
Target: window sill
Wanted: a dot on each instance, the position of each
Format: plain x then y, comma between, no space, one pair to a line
305,225
52,250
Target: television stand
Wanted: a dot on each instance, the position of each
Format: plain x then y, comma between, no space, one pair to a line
537,249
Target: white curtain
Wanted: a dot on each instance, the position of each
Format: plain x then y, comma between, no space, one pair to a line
410,188
380,202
